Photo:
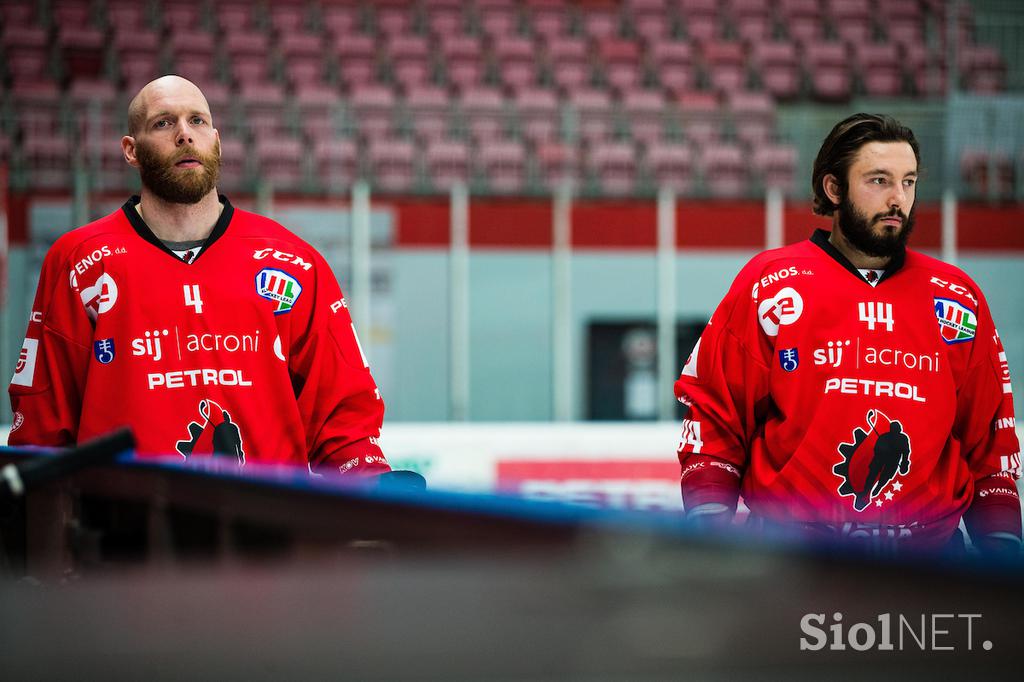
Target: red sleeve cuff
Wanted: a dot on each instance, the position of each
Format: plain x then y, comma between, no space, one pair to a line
361,458
995,508
709,480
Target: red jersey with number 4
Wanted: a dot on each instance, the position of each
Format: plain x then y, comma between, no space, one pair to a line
835,402
247,351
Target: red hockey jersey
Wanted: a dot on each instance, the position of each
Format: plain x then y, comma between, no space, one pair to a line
864,410
248,351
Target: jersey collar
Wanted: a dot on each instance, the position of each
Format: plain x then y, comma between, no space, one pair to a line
820,239
143,230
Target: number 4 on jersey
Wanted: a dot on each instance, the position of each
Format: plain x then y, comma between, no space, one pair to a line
876,313
193,298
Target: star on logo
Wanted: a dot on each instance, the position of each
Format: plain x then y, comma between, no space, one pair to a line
897,486
878,503
888,495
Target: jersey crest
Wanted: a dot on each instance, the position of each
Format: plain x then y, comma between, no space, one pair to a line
872,460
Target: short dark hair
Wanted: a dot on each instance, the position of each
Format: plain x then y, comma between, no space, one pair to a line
841,145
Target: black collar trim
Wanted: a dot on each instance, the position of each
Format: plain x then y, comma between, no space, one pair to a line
144,231
820,239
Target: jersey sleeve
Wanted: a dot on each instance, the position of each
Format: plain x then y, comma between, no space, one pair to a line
49,378
338,400
985,427
724,383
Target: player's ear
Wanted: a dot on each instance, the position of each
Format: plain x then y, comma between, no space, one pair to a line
128,149
830,184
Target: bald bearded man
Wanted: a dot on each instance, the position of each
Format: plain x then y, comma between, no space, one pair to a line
208,330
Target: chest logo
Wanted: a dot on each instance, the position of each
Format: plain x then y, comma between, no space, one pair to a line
784,308
279,287
104,350
872,460
789,359
957,323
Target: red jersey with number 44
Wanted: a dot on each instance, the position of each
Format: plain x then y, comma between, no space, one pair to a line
248,351
835,402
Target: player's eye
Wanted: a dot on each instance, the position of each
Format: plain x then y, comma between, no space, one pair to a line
162,123
878,181
198,120
909,182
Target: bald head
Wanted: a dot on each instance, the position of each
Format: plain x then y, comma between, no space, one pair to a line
163,93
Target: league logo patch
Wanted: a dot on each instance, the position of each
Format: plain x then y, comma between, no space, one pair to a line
957,323
279,287
789,359
217,435
104,350
871,461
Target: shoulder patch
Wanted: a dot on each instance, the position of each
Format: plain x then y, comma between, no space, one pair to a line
957,323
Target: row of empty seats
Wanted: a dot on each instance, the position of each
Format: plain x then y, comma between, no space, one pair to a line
352,44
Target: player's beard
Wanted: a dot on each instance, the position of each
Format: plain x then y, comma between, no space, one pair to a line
174,185
857,228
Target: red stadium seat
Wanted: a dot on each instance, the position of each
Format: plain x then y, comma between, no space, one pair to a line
645,111
775,166
615,166
558,162
538,114
280,161
392,165
879,66
701,19
701,117
724,167
447,162
373,107
672,166
621,63
336,162
483,110
726,65
430,112
673,62
753,116
594,114
504,165
235,171
49,159
829,70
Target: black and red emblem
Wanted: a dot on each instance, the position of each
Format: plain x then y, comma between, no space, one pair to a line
872,460
217,435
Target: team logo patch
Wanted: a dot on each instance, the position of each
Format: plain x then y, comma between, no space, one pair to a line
279,287
217,435
104,350
100,297
784,308
25,370
789,359
19,419
872,460
957,323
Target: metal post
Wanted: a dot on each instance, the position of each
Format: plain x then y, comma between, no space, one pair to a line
459,300
668,363
265,197
360,262
773,227
561,323
949,233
